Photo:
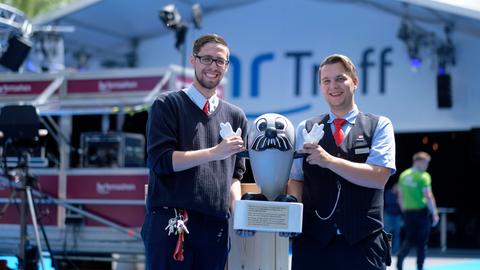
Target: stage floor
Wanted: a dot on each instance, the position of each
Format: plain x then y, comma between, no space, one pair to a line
451,259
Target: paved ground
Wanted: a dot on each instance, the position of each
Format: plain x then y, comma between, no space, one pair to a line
436,260
449,260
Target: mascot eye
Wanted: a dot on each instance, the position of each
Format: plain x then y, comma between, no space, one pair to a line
262,124
280,124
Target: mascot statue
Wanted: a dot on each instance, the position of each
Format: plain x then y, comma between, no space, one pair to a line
271,149
271,146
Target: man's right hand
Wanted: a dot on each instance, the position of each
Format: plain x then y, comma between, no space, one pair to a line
228,147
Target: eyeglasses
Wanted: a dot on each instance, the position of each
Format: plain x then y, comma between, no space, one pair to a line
208,60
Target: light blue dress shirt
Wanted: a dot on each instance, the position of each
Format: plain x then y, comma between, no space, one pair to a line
382,151
199,99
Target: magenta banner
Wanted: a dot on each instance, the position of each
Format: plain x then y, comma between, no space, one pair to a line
47,184
23,88
113,85
123,187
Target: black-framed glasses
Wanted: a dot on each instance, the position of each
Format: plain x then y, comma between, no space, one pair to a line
208,60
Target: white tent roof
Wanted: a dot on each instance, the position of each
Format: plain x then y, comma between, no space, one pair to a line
114,27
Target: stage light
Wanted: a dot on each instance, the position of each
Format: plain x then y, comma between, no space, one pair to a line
415,62
412,39
445,53
197,16
18,30
418,40
170,16
16,53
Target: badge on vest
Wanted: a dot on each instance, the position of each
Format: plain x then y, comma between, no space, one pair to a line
364,150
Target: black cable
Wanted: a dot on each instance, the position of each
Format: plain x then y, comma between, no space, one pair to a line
7,176
64,248
47,243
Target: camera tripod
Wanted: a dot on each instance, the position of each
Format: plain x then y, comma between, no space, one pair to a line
20,128
23,183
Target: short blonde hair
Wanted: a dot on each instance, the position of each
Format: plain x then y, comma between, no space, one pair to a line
342,59
421,156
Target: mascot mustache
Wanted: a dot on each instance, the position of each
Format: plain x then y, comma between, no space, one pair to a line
271,139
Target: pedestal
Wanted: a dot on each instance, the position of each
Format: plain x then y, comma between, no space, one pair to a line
268,216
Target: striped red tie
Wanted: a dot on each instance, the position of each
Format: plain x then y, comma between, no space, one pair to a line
338,134
206,107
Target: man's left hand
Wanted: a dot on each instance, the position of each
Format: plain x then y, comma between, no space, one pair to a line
316,155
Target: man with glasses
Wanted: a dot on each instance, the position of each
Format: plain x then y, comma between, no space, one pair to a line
194,172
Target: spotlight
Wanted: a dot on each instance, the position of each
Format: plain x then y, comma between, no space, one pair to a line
20,29
197,16
170,16
16,53
410,37
415,62
445,53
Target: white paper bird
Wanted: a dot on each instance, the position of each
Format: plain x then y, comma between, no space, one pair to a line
226,131
315,135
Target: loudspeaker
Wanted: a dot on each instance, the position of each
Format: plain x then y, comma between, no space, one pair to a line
17,51
444,91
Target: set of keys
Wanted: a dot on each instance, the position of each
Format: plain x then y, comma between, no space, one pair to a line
177,225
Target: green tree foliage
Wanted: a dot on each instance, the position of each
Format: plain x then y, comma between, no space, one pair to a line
31,8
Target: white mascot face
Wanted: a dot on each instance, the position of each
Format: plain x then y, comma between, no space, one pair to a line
271,141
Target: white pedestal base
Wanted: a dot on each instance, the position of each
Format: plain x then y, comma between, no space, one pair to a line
268,216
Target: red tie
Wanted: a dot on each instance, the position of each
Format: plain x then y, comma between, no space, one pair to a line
338,135
206,107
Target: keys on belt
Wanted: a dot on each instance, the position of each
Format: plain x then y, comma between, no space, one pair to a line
177,226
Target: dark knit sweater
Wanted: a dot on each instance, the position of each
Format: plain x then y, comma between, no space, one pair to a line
175,123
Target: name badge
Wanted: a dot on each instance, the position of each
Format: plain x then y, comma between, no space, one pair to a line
364,150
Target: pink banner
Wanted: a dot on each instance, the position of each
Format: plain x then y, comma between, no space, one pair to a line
47,184
113,85
111,187
23,88
123,187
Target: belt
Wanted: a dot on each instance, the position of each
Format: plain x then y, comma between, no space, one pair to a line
191,213
171,210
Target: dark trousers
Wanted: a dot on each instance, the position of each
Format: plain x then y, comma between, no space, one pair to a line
417,231
205,247
368,254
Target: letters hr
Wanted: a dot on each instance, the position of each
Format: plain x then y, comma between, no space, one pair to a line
298,57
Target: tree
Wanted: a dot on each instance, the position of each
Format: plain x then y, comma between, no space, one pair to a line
32,8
